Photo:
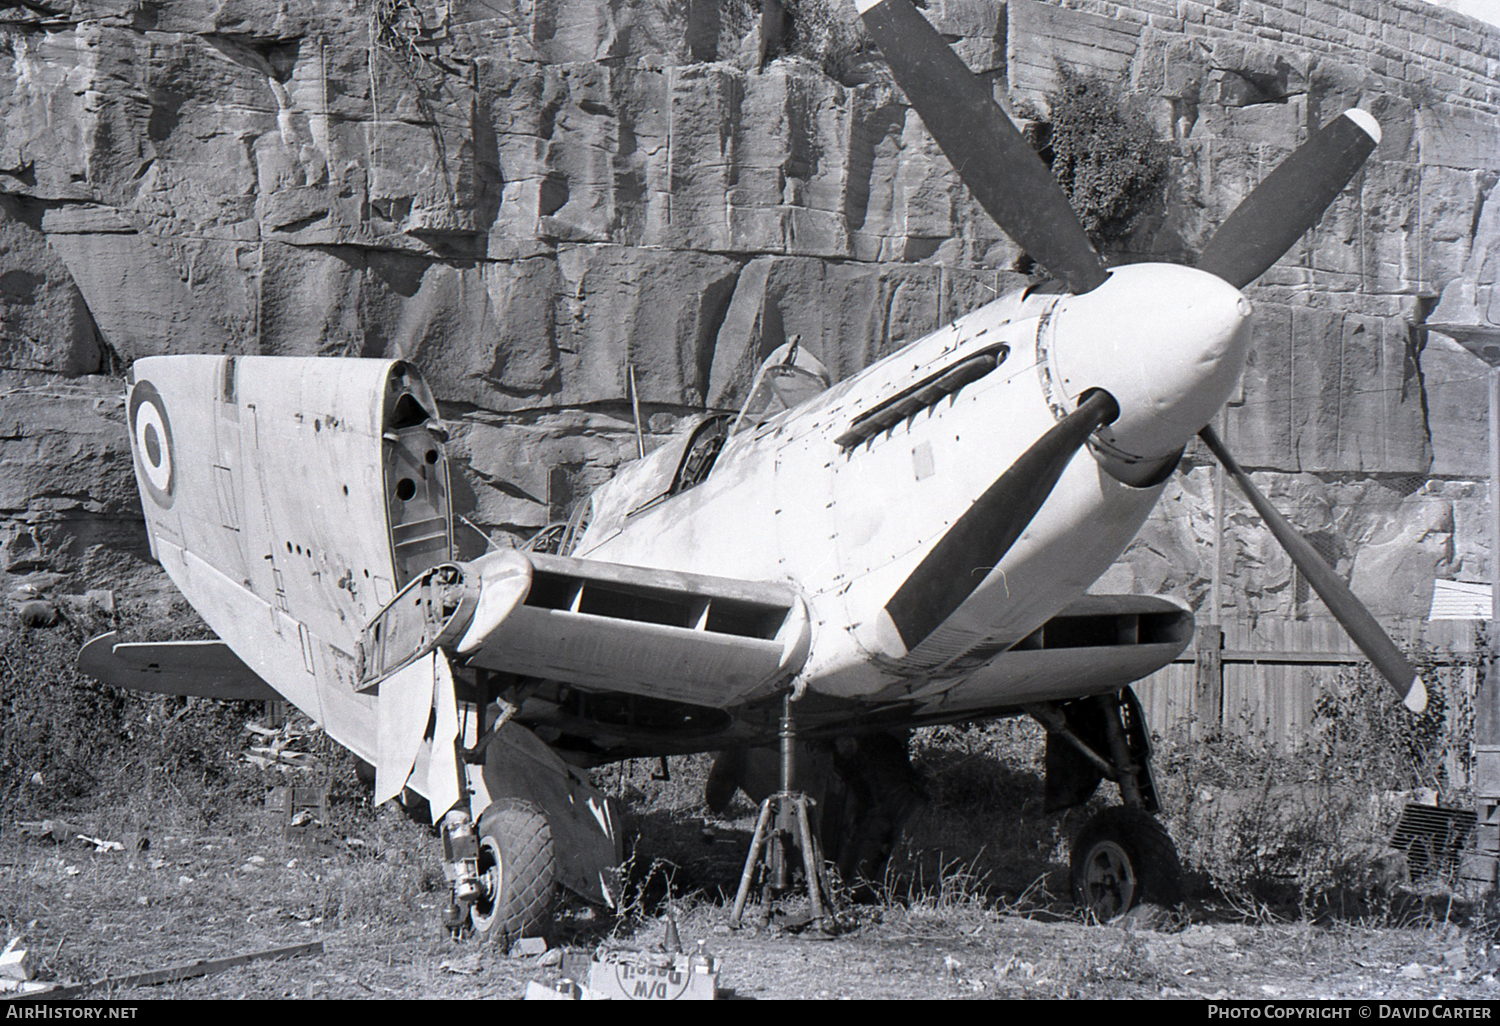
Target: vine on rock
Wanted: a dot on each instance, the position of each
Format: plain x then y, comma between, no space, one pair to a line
827,33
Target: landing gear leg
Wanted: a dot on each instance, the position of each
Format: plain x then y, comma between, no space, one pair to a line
773,844
1123,859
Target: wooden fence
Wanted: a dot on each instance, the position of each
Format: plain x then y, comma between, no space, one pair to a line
1263,679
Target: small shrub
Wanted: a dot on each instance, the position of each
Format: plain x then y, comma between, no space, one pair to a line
66,738
1106,157
1306,822
395,26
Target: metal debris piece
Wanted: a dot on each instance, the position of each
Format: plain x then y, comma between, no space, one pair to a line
100,844
566,990
634,976
274,751
59,830
63,832
302,808
1432,838
202,967
528,946
268,758
15,963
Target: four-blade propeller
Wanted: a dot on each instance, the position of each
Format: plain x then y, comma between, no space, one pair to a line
1016,189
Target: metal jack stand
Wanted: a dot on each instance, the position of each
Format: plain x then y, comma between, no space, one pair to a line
770,849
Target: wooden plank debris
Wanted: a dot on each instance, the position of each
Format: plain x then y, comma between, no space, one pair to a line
59,830
202,967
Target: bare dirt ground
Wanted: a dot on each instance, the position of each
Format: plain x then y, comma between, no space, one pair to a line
1280,845
370,890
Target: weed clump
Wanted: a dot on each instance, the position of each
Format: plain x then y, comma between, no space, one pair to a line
68,742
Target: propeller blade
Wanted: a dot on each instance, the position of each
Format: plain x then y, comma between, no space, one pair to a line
1004,174
1346,608
980,538
1290,200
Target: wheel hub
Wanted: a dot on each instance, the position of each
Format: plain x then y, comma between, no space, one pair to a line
488,881
1109,882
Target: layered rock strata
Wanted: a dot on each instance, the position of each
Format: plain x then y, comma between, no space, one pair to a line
526,199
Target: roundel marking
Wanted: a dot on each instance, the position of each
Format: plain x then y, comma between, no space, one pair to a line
151,438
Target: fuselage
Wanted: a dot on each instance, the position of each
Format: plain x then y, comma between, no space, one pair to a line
793,500
291,498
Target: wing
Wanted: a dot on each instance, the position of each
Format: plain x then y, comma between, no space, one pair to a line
1098,644
599,626
202,669
708,641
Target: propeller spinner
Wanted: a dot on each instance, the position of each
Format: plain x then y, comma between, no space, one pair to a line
1016,189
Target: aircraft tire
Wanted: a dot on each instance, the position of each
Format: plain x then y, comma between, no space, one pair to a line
519,866
1124,862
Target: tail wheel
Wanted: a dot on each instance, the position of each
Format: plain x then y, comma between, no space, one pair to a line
517,869
1124,859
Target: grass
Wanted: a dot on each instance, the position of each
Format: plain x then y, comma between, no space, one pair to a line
367,885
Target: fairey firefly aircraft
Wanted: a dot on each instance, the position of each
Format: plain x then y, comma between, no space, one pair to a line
912,545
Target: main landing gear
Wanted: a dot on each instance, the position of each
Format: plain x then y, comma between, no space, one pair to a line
1123,860
516,869
503,872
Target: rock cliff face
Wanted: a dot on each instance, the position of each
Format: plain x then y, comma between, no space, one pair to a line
525,198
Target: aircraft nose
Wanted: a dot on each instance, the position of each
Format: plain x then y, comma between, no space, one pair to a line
1168,342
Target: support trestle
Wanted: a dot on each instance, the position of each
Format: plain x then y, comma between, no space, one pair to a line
783,827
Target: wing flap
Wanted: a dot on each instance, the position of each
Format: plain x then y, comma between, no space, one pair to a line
200,669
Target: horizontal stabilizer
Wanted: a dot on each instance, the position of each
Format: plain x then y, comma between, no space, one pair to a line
201,669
